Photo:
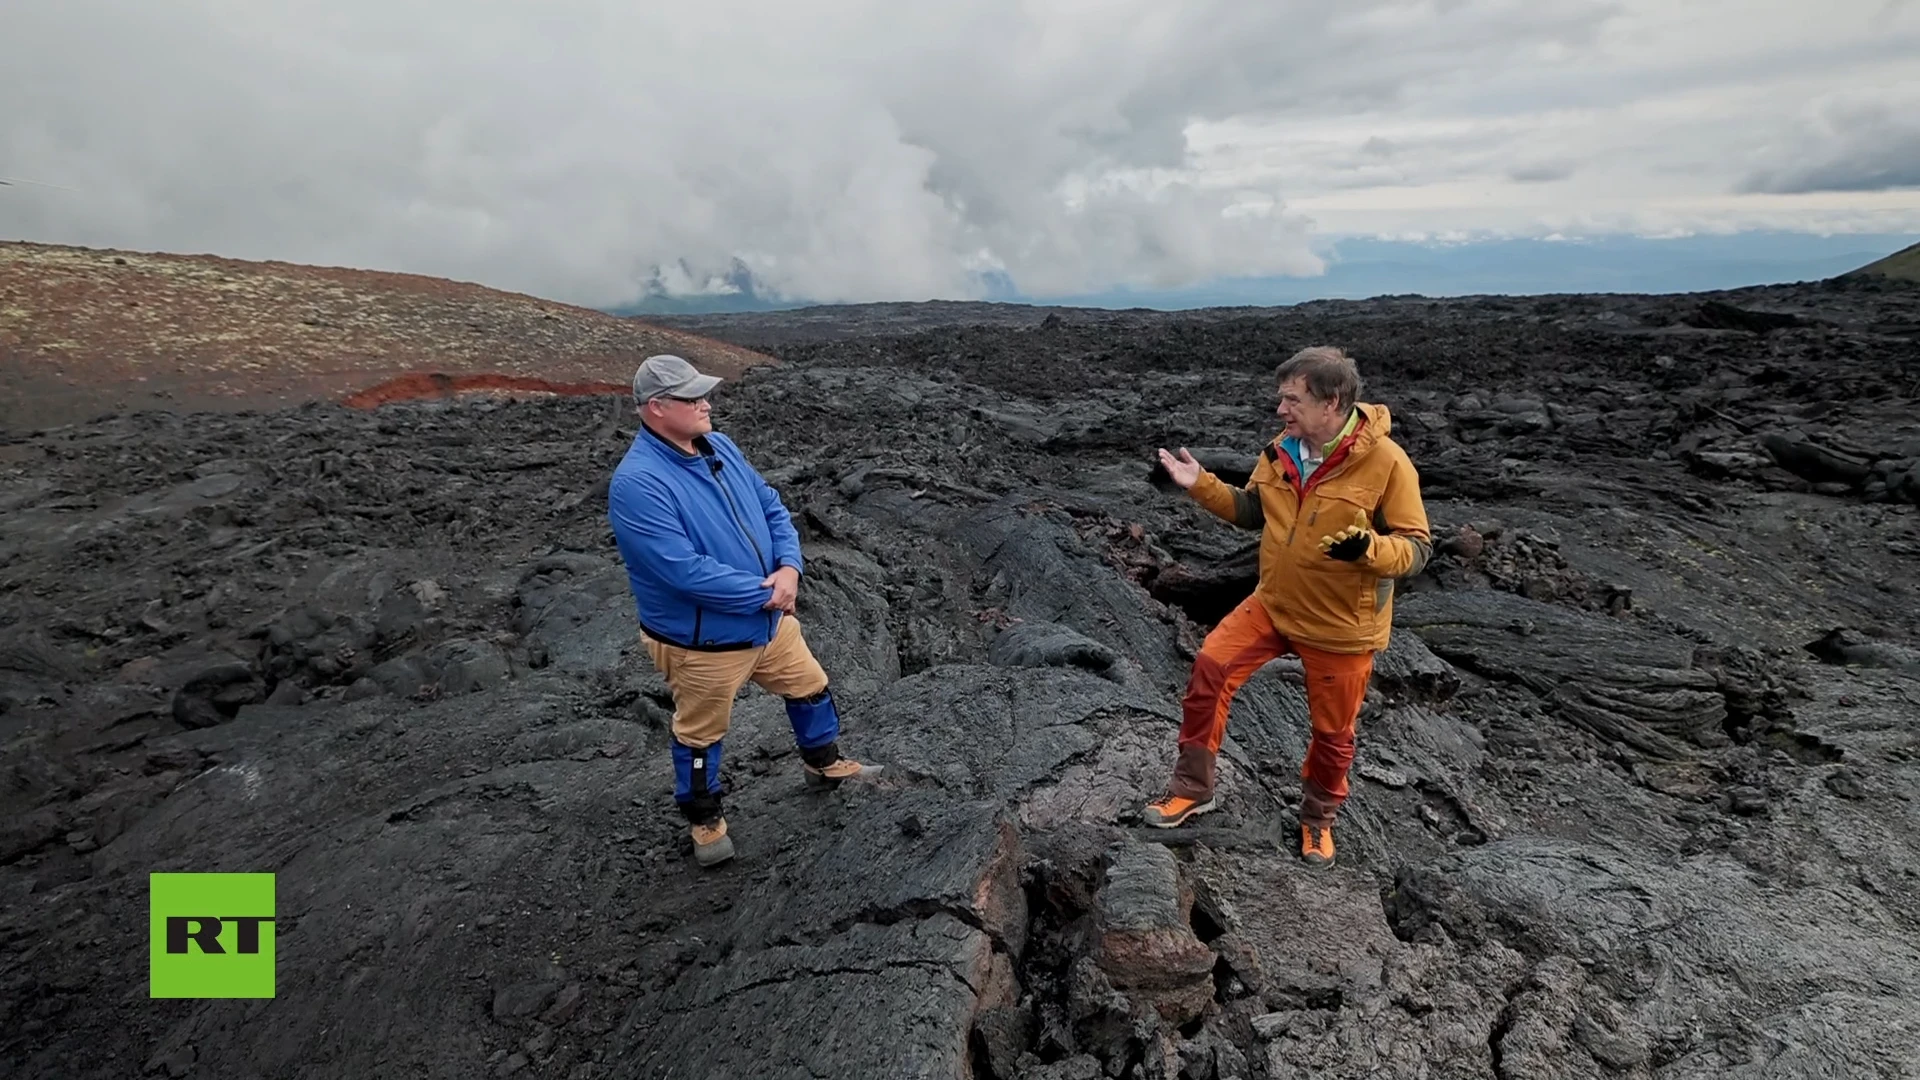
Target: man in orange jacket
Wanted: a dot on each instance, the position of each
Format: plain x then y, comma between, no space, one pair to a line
1339,509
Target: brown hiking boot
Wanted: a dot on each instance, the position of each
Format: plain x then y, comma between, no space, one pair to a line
1171,810
1316,845
711,844
831,775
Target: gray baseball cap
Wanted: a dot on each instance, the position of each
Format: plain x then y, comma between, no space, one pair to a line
667,375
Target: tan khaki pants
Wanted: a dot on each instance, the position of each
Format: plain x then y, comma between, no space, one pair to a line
704,683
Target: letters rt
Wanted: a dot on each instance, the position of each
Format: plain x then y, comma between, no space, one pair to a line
204,932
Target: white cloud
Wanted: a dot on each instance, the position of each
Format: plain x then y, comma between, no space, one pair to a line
1852,141
1673,120
855,149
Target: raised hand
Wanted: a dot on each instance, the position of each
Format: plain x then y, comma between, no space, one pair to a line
1183,469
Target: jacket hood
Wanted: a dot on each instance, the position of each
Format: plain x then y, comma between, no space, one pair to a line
1376,423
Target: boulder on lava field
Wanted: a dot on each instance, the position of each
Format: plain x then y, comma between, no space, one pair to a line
1146,946
215,694
1631,685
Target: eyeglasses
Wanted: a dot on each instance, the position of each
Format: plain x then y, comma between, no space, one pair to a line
686,400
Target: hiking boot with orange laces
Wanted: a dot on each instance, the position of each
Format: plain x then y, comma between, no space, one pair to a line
1171,810
711,844
1316,845
834,773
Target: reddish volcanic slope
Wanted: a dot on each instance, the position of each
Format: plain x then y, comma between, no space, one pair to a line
88,331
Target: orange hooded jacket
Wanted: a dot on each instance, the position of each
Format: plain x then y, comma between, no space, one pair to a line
1312,598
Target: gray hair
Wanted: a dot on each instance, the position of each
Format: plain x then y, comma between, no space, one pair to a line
1329,373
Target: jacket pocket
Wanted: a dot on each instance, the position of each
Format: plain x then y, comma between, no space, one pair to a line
1329,511
1346,587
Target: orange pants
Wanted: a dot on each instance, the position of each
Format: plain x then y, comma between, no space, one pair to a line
1336,687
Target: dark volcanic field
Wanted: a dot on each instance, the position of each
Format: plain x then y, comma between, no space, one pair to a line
1634,795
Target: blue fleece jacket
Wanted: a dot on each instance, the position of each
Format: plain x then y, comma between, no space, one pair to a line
698,533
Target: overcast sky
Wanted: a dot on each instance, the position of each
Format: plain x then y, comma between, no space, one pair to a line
871,149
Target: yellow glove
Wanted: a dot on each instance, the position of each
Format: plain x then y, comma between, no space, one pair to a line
1350,543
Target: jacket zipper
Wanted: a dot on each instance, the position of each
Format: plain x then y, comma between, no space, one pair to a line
734,509
1300,490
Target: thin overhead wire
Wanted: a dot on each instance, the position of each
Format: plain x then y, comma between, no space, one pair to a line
11,181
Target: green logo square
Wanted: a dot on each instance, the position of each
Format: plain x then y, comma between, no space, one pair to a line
211,935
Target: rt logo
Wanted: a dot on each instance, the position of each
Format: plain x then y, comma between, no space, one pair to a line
210,935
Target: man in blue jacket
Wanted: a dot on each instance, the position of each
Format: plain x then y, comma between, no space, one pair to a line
714,563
